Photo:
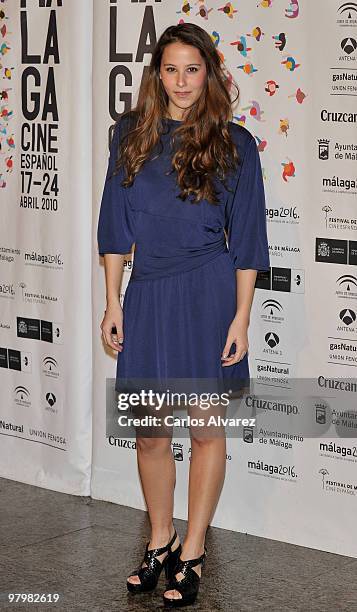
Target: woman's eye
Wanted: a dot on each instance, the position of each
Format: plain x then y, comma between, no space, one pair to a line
193,68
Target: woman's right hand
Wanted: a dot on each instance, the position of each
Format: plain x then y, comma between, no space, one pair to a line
113,317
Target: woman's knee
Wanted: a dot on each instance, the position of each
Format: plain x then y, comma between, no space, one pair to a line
205,437
153,445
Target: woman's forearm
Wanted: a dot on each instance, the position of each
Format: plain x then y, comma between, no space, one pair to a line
245,293
113,265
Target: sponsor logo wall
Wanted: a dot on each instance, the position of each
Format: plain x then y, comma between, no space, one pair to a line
292,476
45,276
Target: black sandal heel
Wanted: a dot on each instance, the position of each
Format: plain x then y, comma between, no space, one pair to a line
150,574
171,561
189,585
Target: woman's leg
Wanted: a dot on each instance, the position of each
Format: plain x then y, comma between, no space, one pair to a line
157,472
206,478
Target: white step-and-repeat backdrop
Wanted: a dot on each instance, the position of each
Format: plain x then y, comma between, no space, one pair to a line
68,70
45,243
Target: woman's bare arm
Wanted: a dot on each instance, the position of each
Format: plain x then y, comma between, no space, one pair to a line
113,316
113,265
238,330
245,293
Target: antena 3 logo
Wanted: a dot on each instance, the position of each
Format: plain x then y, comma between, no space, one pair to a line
348,46
347,14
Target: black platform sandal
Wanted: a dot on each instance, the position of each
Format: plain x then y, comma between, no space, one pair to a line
149,574
189,585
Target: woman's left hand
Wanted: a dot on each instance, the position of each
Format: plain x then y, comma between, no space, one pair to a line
237,333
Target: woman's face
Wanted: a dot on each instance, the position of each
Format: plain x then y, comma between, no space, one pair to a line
183,74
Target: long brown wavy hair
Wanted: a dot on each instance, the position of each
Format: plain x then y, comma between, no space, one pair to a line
206,150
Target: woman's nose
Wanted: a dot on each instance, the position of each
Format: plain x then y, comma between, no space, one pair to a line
181,80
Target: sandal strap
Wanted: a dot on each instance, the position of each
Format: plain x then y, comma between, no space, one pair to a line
182,566
170,544
156,552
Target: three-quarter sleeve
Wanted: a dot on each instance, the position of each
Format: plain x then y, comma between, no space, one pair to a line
246,223
115,232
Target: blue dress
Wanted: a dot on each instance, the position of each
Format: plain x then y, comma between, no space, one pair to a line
181,295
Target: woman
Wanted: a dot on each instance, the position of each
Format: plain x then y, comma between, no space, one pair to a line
182,181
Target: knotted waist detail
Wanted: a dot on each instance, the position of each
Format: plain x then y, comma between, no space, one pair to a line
153,261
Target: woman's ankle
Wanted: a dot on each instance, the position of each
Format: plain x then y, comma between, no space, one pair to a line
192,549
162,536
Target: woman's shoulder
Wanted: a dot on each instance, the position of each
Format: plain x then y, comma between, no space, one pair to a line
126,122
241,136
129,117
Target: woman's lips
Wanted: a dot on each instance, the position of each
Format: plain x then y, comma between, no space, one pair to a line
182,94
